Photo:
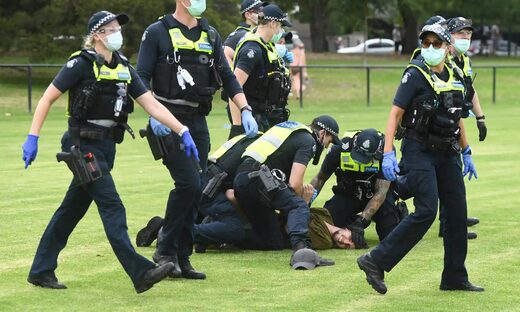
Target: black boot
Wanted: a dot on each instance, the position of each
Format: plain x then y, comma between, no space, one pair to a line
148,234
153,276
189,272
175,272
375,276
466,286
46,281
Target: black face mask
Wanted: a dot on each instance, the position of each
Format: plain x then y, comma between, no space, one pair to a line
319,149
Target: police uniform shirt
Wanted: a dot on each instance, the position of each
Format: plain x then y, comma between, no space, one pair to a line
234,37
80,68
156,42
413,84
460,62
332,162
251,59
299,147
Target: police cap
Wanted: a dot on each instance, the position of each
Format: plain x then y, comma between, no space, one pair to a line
437,19
366,144
438,30
328,124
102,18
459,23
272,12
248,5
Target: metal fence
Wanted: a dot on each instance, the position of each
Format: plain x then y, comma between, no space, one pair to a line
367,68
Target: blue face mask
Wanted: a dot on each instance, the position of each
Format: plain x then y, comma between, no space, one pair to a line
433,56
462,45
197,7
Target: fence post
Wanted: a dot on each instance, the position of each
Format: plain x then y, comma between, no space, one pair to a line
301,86
29,87
368,86
494,83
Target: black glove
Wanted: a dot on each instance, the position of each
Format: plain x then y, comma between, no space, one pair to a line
358,232
236,130
482,129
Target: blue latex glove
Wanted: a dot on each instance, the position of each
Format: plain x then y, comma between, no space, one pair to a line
390,166
469,166
30,149
189,146
158,128
249,123
289,57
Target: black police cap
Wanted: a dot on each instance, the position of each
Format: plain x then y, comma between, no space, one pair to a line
248,5
366,144
437,29
459,23
272,12
102,18
328,124
437,19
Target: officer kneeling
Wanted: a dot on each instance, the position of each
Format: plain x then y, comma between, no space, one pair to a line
271,177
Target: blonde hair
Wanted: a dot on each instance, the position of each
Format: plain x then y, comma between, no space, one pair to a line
88,42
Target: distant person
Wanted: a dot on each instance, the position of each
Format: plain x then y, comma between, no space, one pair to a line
495,38
398,41
484,49
299,60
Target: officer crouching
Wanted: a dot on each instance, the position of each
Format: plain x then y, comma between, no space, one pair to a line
271,177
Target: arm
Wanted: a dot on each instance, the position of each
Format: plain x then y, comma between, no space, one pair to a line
147,56
159,112
396,114
479,115
296,179
229,53
463,141
44,105
319,180
375,202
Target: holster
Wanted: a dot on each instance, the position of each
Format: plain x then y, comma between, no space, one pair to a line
156,143
268,182
84,167
215,182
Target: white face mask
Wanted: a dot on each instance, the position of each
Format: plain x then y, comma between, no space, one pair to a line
114,41
462,45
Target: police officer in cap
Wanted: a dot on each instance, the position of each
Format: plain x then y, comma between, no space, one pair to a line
429,103
182,56
361,186
101,82
271,177
261,72
249,10
461,30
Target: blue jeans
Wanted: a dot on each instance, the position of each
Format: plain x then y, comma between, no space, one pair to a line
184,199
430,176
262,215
75,205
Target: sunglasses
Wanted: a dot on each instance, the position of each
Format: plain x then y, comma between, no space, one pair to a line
437,44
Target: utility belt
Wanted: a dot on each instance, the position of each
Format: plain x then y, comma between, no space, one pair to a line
216,177
183,109
270,182
449,145
360,189
116,133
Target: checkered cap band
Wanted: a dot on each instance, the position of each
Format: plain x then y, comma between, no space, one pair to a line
438,30
101,22
277,19
326,128
254,4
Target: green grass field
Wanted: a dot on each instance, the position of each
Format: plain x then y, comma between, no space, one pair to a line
250,280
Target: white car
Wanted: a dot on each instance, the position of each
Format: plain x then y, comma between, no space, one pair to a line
373,46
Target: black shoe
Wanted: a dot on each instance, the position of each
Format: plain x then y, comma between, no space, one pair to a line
153,276
189,272
200,248
466,286
46,282
472,235
162,259
375,276
472,221
148,234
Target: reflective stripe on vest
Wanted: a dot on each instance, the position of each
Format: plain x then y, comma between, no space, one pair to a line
224,148
439,85
272,55
348,164
120,73
468,72
180,42
268,143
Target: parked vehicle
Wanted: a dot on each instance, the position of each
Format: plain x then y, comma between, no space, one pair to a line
373,46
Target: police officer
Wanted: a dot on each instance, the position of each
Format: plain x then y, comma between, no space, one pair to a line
271,177
100,81
461,30
261,72
429,103
249,10
361,186
183,57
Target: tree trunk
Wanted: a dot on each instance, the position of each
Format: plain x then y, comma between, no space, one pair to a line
410,27
319,24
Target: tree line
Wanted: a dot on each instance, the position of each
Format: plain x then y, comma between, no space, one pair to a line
54,28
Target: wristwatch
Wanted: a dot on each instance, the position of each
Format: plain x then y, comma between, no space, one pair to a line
247,107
